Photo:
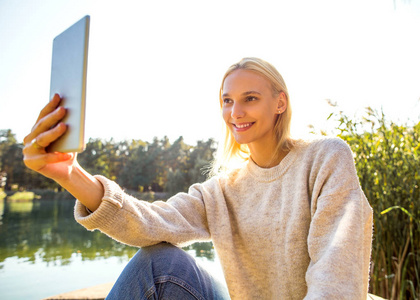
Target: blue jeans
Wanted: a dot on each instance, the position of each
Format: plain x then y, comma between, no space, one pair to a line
164,271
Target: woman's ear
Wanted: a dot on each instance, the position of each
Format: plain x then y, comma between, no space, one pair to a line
281,103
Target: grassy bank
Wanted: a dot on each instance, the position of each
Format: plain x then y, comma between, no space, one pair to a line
23,196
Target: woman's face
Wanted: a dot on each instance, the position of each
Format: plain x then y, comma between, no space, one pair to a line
249,107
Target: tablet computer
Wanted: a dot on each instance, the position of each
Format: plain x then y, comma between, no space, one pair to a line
68,79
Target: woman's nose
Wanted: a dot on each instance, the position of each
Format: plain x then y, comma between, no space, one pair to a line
237,111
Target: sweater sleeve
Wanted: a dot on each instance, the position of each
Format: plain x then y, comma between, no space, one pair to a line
180,220
340,234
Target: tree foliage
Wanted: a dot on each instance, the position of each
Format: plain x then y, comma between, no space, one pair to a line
158,166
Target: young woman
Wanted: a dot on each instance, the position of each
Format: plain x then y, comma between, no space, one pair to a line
287,218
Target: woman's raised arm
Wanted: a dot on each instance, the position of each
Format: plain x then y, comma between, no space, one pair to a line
61,167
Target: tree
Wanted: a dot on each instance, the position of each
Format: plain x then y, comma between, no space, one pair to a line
134,173
176,168
200,159
10,155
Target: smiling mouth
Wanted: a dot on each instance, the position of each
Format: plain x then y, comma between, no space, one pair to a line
243,126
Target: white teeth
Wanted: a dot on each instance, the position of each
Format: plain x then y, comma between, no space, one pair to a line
243,125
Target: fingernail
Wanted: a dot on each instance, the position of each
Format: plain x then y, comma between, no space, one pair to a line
60,109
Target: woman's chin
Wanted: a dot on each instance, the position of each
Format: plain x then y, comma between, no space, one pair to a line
241,140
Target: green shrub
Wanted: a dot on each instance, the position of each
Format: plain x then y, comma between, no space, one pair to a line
387,160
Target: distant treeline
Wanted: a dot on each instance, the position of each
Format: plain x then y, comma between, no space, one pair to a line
157,166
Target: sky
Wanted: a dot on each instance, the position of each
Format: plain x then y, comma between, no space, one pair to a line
155,67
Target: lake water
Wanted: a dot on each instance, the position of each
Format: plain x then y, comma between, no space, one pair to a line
44,252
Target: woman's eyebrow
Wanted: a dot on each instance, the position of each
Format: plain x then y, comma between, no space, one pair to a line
250,92
243,94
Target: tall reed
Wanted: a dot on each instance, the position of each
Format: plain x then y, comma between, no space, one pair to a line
387,158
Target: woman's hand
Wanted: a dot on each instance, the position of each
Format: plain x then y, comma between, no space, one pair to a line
61,167
57,166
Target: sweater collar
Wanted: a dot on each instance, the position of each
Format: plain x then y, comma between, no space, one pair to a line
271,174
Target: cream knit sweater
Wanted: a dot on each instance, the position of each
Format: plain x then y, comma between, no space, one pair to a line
300,230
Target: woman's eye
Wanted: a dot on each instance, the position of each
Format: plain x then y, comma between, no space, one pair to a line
227,101
251,98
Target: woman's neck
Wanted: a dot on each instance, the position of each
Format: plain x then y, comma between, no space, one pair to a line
264,155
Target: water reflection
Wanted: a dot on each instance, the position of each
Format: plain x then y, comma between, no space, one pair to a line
47,230
44,251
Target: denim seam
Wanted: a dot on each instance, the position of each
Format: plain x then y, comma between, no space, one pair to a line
149,292
180,283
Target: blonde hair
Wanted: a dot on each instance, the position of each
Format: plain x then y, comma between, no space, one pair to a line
230,153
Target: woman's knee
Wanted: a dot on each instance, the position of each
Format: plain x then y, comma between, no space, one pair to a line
158,250
164,268
165,259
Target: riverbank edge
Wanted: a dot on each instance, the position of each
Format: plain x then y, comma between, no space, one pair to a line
99,292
